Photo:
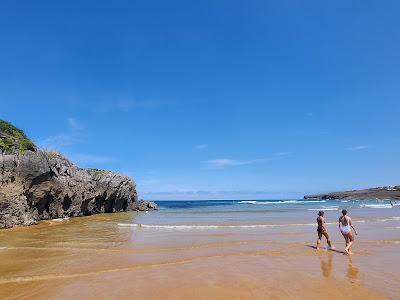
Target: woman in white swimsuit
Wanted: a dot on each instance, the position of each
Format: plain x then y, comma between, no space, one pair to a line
345,227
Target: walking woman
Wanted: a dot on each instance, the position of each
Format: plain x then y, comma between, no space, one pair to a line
321,230
345,227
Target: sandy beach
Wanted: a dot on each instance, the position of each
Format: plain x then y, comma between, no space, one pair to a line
106,256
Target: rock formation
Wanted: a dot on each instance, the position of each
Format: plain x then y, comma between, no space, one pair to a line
38,185
146,205
385,192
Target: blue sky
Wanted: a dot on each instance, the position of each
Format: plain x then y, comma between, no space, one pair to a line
210,99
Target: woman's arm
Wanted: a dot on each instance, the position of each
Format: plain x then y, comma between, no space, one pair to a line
351,224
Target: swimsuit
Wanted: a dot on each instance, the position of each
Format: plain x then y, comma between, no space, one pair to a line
345,229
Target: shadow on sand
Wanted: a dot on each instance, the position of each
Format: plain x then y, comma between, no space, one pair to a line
333,250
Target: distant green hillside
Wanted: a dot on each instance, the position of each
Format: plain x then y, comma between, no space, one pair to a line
12,138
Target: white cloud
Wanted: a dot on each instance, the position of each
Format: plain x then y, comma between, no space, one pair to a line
74,124
56,141
201,147
359,147
226,162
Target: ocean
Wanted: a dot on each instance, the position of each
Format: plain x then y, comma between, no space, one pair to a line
212,214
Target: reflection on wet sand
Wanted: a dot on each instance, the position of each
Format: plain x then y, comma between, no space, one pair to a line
352,271
326,260
326,266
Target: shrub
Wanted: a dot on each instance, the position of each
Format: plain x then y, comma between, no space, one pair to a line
13,139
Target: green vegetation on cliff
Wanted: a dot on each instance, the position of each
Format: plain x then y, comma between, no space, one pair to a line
13,139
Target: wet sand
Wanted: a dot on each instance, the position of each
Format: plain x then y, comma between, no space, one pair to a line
97,258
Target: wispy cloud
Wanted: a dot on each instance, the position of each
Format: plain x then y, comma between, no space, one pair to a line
201,147
60,140
74,124
226,162
359,147
56,141
283,153
66,142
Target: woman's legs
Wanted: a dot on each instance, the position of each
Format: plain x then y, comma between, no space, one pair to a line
319,239
350,243
327,239
346,240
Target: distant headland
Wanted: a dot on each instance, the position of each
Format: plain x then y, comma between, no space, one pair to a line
386,192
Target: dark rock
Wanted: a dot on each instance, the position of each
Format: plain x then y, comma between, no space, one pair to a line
143,205
152,205
38,185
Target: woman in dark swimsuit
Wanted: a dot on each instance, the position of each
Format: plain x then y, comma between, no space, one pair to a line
321,230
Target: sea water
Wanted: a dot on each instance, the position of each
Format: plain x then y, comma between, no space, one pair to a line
213,214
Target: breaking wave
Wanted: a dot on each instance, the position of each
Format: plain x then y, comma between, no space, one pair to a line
376,206
186,227
281,202
325,208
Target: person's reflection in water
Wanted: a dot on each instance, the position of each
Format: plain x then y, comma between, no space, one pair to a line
352,271
326,266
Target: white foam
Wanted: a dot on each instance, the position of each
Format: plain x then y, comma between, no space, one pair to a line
281,202
376,206
304,201
323,209
389,219
60,219
188,227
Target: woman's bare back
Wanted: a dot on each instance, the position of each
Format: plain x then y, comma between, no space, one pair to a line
345,220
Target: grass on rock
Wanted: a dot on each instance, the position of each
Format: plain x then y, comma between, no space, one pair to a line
13,139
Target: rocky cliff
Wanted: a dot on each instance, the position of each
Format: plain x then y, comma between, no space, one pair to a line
385,192
38,185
